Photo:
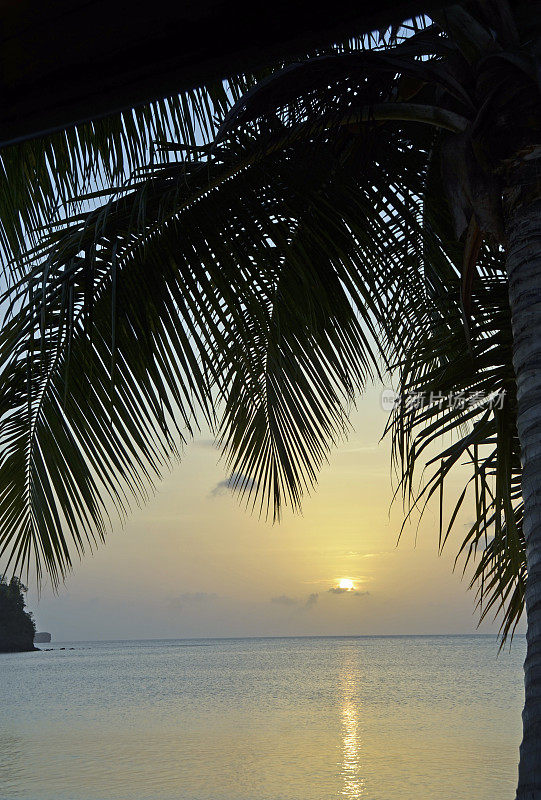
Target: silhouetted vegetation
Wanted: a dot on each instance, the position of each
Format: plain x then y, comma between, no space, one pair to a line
17,626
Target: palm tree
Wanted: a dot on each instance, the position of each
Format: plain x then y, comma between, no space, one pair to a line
358,204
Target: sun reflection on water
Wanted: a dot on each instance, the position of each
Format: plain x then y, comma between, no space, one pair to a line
353,784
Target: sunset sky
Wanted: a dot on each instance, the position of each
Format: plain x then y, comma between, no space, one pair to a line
195,563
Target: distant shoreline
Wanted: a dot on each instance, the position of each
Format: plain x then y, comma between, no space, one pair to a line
288,637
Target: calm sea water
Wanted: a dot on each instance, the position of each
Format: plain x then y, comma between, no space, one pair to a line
390,718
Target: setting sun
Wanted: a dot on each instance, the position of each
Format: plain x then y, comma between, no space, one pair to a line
346,583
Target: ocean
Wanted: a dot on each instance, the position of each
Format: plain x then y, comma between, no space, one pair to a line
377,718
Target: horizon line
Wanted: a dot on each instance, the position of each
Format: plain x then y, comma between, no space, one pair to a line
288,636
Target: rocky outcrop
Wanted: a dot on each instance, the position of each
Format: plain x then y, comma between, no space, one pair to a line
17,627
42,638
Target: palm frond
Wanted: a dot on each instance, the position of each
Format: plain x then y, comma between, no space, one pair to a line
43,179
452,384
185,289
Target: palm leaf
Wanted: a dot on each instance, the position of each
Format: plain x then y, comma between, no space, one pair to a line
184,289
43,178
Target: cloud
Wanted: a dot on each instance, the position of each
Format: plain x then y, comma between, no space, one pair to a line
235,483
207,443
338,590
284,600
191,597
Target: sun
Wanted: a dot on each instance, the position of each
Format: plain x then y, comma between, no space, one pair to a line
346,583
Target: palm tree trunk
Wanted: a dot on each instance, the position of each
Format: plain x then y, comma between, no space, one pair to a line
524,272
